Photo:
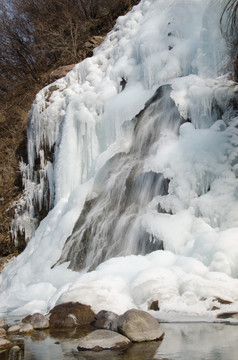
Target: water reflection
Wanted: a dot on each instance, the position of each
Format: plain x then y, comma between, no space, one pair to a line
196,341
199,341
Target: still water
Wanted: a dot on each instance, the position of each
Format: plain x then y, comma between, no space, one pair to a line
183,341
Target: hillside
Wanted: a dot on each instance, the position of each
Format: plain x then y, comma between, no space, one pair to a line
14,107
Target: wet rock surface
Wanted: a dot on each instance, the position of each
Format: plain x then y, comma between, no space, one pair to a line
2,332
139,326
4,343
103,340
37,320
106,320
69,315
14,329
2,322
26,329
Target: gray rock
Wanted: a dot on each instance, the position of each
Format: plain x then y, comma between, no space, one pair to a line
16,348
106,320
26,329
103,340
139,326
2,322
37,320
14,329
2,332
4,344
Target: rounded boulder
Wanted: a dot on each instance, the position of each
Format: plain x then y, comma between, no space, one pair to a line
69,315
103,340
37,320
139,326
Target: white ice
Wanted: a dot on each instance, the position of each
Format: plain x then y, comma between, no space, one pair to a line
79,119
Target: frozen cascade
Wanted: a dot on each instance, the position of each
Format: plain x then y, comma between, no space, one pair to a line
110,225
135,153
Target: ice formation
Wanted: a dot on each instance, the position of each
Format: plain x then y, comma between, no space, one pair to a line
141,141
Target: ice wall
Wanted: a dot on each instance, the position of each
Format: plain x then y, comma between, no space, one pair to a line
128,182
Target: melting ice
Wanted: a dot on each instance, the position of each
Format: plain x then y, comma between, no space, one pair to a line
137,148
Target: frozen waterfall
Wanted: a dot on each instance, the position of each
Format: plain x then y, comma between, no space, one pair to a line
134,153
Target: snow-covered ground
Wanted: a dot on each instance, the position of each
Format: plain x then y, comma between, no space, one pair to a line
82,121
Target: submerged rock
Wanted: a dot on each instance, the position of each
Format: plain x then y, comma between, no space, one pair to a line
106,320
2,322
103,340
37,320
139,326
70,315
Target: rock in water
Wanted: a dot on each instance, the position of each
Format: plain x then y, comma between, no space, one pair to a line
26,329
139,326
14,329
70,315
37,320
4,344
106,320
2,322
103,340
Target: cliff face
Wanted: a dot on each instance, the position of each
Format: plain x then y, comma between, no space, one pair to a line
14,109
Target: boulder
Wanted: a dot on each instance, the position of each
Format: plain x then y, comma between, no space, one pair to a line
139,326
26,329
103,340
2,332
16,349
70,315
2,322
4,344
14,329
37,320
106,320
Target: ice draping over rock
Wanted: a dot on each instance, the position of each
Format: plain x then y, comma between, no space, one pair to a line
78,127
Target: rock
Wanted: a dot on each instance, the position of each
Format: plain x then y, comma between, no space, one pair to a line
70,315
2,322
2,332
60,72
227,315
26,329
154,305
16,348
222,301
139,326
4,344
37,320
103,340
106,320
14,329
